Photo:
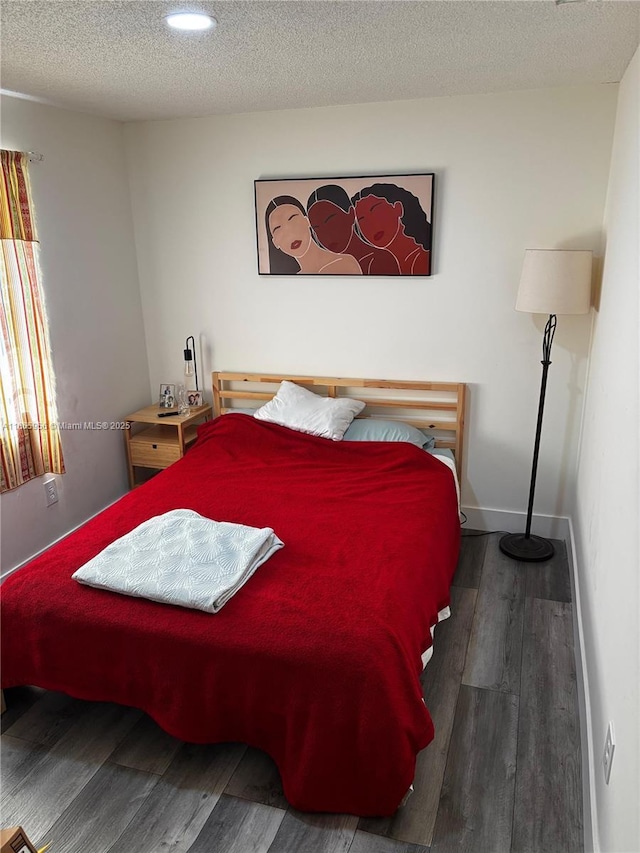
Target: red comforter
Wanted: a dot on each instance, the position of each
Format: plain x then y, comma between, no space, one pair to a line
316,660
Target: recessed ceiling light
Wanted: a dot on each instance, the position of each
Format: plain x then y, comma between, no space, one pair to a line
191,21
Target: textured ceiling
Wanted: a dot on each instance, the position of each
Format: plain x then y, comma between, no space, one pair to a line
119,59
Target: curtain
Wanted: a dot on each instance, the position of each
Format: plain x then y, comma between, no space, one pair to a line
30,441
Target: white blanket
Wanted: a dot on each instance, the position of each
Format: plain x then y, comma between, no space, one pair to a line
181,558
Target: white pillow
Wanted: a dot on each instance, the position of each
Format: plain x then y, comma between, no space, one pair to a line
302,410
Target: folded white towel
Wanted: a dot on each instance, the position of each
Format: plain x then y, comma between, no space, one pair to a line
181,558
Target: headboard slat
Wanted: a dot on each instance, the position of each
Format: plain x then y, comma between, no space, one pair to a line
415,403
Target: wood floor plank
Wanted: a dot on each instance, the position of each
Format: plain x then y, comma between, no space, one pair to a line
301,832
548,803
101,811
238,826
147,747
47,720
62,772
476,805
550,579
414,822
17,758
257,779
472,551
364,842
175,812
495,648
18,700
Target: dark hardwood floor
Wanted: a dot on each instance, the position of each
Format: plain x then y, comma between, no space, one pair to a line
503,773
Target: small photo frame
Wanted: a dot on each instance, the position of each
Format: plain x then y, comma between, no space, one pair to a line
194,399
167,398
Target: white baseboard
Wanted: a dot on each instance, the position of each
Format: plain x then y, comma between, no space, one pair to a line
590,812
509,521
559,527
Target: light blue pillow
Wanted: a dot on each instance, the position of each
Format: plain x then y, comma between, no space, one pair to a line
373,429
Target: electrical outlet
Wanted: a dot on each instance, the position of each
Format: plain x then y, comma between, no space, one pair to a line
609,749
51,491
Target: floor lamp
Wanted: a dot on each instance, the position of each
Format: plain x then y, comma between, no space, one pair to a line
554,281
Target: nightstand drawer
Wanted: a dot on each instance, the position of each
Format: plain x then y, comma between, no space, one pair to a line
154,448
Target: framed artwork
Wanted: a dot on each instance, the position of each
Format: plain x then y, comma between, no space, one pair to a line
167,398
373,225
194,398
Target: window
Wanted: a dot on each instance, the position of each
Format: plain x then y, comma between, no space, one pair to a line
30,442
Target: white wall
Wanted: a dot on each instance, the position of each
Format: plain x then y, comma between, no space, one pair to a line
92,296
606,508
514,170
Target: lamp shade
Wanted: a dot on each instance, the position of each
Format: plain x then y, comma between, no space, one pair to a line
555,281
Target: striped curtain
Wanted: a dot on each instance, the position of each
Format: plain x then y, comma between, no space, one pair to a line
30,442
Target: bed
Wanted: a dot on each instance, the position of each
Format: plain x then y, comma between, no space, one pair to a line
316,660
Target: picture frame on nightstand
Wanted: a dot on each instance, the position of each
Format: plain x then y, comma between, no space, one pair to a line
167,396
194,399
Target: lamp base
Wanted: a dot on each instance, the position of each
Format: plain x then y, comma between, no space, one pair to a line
527,549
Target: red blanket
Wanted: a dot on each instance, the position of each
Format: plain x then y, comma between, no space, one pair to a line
316,660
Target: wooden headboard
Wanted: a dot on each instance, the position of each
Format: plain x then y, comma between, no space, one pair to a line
437,407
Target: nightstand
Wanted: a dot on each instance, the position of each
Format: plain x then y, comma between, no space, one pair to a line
161,441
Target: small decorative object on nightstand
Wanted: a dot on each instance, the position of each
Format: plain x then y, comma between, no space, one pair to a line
161,441
183,403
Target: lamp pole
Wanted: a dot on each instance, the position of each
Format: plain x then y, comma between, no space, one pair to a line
528,548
